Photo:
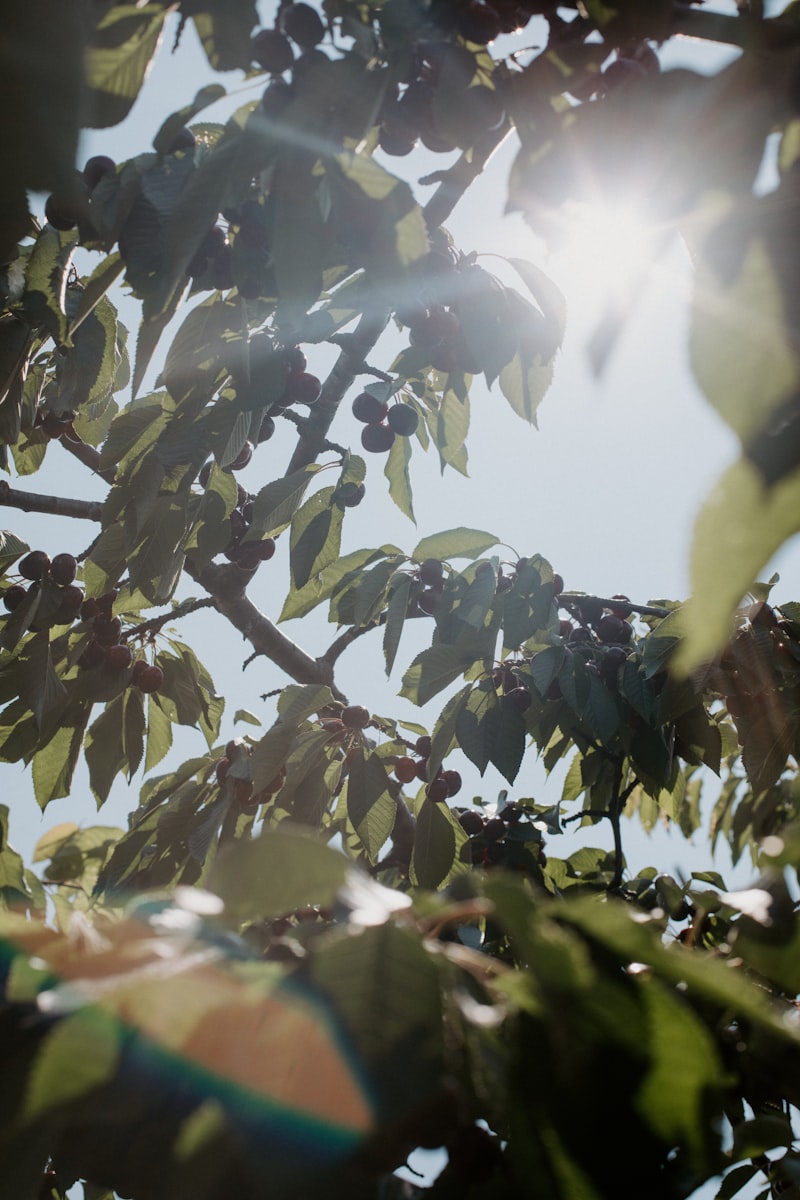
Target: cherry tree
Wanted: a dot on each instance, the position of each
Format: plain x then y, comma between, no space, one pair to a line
308,956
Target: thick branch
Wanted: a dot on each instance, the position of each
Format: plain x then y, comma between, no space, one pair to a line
87,455
56,506
226,585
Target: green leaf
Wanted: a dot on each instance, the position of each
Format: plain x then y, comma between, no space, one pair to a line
735,1180
46,281
742,351
202,347
271,753
39,685
87,371
81,1053
685,1070
524,383
133,730
385,969
432,670
316,536
508,742
437,844
277,502
371,591
395,617
54,764
173,125
370,805
105,756
753,1138
454,543
546,293
449,430
95,288
276,873
17,624
117,58
397,472
444,731
298,235
224,31
298,701
740,526
476,725
152,326
302,600
246,717
11,548
156,564
159,734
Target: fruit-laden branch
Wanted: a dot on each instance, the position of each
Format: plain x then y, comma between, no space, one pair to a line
56,506
226,585
352,362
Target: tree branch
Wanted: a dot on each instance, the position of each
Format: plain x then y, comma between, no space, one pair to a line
576,599
55,506
226,586
345,370
352,362
87,455
746,31
340,644
157,623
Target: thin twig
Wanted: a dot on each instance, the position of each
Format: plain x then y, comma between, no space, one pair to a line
340,644
175,614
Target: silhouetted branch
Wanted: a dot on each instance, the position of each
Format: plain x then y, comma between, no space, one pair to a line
56,506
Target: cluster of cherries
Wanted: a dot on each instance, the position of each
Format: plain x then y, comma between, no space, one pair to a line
443,786
244,794
60,571
430,574
105,645
273,50
382,422
247,555
67,602
488,837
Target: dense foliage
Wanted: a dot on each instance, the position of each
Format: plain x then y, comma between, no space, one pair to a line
305,957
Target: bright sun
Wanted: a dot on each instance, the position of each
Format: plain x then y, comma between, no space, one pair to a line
607,251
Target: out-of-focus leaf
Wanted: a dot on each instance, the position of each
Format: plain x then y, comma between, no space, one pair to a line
740,526
276,874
